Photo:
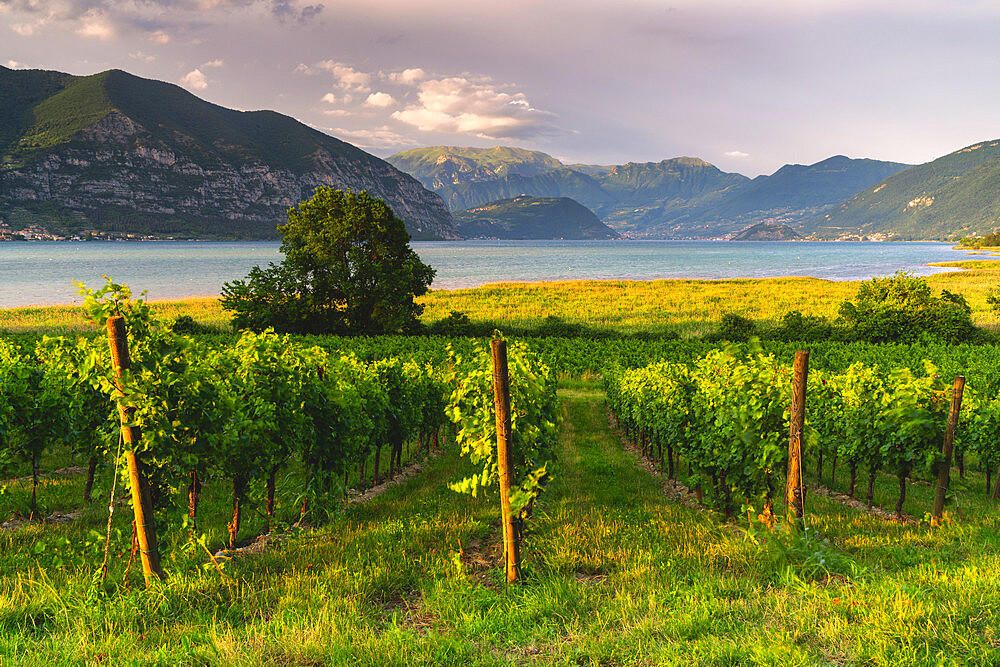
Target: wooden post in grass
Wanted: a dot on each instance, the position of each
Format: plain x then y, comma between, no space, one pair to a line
794,491
944,472
501,402
141,502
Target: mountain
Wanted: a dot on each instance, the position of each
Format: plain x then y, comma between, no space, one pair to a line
533,218
767,231
116,152
555,183
682,197
440,166
955,195
665,198
796,191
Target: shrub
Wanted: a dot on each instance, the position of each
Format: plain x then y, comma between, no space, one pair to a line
735,328
903,308
798,327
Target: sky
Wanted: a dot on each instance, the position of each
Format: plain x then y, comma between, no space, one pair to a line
747,85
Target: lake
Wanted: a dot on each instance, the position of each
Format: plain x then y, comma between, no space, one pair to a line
44,272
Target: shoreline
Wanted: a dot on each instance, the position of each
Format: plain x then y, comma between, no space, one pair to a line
960,266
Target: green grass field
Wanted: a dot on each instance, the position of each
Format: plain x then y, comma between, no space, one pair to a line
617,573
688,307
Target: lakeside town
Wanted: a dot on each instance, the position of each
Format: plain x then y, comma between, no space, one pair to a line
38,233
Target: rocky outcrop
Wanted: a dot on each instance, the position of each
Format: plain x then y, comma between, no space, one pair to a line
159,160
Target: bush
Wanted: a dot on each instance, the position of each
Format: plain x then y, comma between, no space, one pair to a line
798,327
735,328
903,309
185,324
991,240
456,324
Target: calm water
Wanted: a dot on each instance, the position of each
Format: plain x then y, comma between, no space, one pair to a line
37,273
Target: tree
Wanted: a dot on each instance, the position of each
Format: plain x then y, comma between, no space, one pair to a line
348,268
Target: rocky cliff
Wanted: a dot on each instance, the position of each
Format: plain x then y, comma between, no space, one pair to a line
120,153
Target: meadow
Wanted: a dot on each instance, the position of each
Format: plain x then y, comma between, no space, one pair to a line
686,307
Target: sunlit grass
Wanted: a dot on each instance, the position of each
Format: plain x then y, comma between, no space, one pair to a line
688,307
70,318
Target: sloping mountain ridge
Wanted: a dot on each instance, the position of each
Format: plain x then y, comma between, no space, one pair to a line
806,188
957,194
557,183
440,166
677,198
116,152
533,218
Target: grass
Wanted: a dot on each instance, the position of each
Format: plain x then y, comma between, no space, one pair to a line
66,319
616,573
689,307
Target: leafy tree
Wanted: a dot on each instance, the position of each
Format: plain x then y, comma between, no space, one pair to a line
348,268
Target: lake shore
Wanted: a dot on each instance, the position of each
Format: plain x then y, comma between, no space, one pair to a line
687,307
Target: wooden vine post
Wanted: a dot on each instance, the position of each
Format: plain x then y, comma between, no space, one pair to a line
944,472
501,403
141,502
794,490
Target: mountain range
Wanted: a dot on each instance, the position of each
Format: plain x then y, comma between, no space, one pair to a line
683,197
115,152
955,195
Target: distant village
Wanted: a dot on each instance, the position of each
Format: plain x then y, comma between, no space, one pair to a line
38,233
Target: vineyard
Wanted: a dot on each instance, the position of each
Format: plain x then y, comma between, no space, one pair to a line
648,490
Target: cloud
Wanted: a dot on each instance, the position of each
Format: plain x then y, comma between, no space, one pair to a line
144,57
380,100
379,137
285,10
737,154
13,64
94,24
345,76
329,98
339,113
26,29
214,63
195,79
461,105
407,76
159,37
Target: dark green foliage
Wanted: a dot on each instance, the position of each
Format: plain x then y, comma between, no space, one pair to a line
735,328
993,300
185,324
903,308
796,326
348,267
456,324
991,240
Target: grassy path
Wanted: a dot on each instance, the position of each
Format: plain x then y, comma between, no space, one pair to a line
616,574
